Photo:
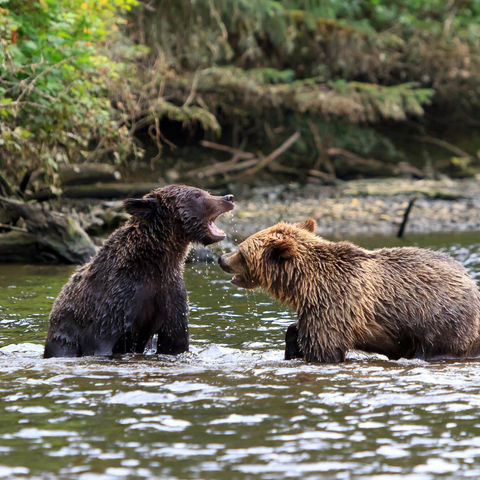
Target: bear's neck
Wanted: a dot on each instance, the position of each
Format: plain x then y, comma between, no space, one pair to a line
164,248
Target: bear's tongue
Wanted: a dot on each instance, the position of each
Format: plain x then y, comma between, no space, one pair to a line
215,231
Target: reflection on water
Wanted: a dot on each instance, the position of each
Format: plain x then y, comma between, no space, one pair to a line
231,408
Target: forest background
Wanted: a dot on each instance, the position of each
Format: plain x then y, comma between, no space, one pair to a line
215,92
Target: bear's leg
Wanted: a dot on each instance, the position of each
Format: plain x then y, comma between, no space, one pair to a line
140,341
173,334
326,353
123,344
132,341
173,343
172,324
292,349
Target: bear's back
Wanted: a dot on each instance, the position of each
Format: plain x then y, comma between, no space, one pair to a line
426,298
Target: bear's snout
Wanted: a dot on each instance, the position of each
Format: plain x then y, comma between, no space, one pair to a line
223,263
226,202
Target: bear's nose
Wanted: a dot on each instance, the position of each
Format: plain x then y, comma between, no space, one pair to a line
222,263
228,198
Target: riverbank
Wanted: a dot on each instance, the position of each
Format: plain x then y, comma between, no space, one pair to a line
363,207
348,209
342,211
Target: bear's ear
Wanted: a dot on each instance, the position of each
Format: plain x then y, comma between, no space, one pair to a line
282,248
309,225
140,207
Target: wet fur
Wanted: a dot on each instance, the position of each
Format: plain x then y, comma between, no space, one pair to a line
133,288
400,302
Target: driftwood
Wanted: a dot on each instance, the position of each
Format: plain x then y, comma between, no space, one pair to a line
47,237
219,168
326,177
99,191
87,173
264,161
276,167
109,190
250,165
350,165
444,144
323,159
335,163
403,225
70,176
225,148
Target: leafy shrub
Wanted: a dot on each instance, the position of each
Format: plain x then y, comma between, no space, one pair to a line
54,104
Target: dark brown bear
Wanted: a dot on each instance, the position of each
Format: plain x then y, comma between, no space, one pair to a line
400,302
133,288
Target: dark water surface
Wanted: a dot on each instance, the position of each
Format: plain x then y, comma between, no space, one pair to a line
231,408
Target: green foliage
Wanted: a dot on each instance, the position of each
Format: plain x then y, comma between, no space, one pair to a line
74,86
258,66
385,42
256,93
53,98
188,115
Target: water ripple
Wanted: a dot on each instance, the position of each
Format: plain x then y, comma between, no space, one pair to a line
231,407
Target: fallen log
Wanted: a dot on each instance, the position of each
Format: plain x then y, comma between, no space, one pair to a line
265,161
102,191
326,177
48,236
229,166
443,144
22,247
220,168
275,167
109,190
249,167
323,159
86,173
348,165
225,148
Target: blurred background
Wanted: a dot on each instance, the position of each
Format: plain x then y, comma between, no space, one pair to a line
164,90
106,99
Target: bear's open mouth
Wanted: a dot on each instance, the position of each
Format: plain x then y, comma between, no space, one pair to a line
215,232
240,281
243,281
224,205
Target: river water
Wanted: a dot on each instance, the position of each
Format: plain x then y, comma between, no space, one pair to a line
231,408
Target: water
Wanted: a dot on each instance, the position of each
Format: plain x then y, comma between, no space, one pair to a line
231,408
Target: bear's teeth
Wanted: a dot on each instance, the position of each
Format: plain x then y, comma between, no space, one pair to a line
215,230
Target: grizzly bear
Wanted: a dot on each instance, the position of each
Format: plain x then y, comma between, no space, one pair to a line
133,287
399,302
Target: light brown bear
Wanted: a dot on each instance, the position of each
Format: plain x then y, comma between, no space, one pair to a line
400,302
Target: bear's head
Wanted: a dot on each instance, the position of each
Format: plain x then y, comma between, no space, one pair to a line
271,258
190,211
